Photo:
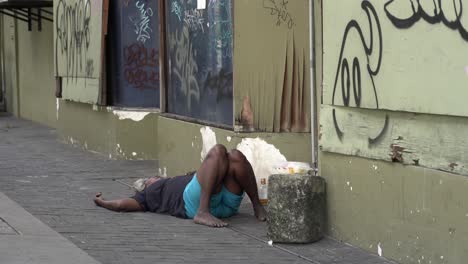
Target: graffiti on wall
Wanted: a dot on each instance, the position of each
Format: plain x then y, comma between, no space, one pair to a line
142,21
176,9
356,80
141,66
450,13
279,10
200,60
349,74
185,67
73,38
221,27
194,19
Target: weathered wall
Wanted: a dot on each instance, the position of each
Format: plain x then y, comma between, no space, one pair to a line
36,81
180,144
29,80
394,83
417,215
384,62
374,60
114,133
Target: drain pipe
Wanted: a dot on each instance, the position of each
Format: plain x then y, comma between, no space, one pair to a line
313,91
3,106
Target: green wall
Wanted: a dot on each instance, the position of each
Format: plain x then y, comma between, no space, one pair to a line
393,131
29,68
417,215
180,144
101,130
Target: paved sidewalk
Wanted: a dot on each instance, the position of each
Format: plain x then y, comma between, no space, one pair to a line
25,239
55,182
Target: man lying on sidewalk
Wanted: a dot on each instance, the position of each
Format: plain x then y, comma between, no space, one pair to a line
215,191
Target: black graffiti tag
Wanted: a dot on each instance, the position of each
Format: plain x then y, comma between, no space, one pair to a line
440,14
73,36
280,11
349,68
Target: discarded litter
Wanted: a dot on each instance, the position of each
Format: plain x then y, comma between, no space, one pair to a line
292,167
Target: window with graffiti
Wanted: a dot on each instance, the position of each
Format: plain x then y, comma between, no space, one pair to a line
133,71
199,50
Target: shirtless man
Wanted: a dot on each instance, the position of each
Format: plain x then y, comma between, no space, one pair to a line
215,191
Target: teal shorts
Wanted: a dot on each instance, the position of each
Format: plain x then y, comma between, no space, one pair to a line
222,205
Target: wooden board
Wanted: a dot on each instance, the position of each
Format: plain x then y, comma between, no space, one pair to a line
437,142
78,31
384,54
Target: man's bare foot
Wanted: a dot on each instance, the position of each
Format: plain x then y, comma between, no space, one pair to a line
208,220
260,213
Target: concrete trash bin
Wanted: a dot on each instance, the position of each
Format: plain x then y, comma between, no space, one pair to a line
296,208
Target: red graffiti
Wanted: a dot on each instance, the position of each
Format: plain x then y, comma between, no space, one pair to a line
141,66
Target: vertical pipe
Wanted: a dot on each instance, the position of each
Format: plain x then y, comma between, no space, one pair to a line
313,92
163,55
3,102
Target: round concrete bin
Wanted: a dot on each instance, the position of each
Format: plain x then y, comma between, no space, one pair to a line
296,208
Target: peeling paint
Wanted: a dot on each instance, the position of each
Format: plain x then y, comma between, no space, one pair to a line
133,115
397,153
209,140
453,165
134,154
228,138
466,70
262,156
379,250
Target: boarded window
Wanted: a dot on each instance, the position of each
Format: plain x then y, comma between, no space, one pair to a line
134,60
272,65
80,26
200,74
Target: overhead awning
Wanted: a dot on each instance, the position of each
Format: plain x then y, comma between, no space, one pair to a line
28,11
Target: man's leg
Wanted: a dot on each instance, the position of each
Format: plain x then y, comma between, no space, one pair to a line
241,177
120,205
210,176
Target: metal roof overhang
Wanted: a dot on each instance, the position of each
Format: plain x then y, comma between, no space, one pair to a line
28,11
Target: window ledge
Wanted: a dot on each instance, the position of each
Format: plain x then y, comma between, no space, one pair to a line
126,109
